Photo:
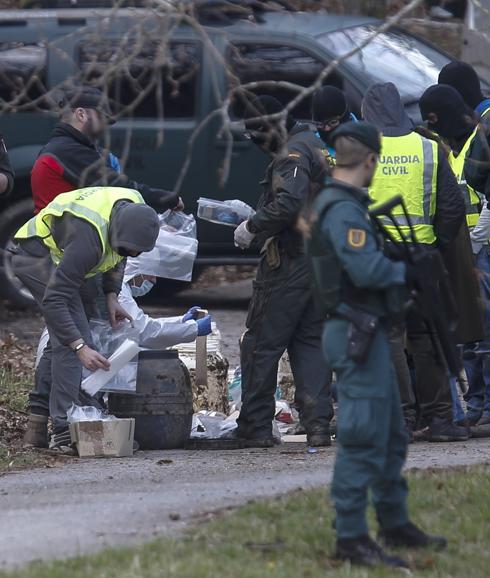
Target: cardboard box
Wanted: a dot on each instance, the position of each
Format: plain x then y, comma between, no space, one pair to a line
103,438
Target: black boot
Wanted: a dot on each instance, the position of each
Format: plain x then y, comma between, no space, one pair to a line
365,552
318,439
443,430
409,536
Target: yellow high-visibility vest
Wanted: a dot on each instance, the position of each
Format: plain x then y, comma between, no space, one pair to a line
407,166
471,198
93,205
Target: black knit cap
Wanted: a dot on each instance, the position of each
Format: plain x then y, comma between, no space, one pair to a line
87,97
329,102
454,117
365,133
462,77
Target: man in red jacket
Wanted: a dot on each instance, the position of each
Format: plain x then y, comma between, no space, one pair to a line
72,160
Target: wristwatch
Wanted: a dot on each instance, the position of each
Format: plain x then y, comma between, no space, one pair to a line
77,348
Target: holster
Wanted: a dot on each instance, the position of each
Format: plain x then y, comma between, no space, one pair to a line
362,329
272,253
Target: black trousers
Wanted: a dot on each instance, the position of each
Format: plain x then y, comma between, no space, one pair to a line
430,395
283,316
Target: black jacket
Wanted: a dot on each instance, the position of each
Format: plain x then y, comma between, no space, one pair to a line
5,166
477,163
288,185
83,166
383,108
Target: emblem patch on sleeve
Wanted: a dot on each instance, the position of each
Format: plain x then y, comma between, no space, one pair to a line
356,238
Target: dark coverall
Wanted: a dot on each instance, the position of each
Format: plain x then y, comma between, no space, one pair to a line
353,272
282,314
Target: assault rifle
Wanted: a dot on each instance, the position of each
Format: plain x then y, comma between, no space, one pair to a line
431,291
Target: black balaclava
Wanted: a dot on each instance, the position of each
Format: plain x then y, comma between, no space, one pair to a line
454,117
133,227
463,77
266,134
328,104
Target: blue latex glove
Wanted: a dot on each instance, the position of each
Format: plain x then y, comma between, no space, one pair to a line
191,314
204,326
114,163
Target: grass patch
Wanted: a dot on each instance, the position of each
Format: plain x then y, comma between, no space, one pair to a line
16,378
19,459
291,537
14,390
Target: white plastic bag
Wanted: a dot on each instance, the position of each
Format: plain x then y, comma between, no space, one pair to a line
174,253
78,413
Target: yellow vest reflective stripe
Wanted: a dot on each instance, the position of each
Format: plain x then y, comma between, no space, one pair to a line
471,197
93,205
484,112
408,167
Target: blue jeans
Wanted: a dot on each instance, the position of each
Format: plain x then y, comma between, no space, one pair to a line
478,370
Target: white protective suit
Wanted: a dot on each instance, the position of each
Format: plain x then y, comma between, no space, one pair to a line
156,332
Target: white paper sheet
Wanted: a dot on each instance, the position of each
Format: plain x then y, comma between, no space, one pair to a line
121,357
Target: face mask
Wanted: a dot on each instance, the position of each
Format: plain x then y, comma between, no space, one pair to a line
143,289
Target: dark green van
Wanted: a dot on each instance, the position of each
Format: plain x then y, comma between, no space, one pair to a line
161,110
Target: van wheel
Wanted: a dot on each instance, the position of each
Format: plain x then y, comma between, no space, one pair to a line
11,219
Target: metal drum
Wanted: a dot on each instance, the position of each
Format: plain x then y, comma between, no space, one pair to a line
162,403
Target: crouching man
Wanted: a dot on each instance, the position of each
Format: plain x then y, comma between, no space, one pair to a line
78,235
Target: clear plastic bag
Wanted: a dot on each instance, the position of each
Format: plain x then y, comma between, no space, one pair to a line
235,388
230,213
212,425
174,253
124,354
78,413
106,339
124,380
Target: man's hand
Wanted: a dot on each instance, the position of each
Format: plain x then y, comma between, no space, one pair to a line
243,237
92,360
116,312
180,206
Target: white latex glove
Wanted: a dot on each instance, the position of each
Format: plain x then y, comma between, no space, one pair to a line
243,237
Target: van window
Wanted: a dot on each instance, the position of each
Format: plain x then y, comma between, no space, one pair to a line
22,74
260,62
148,81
